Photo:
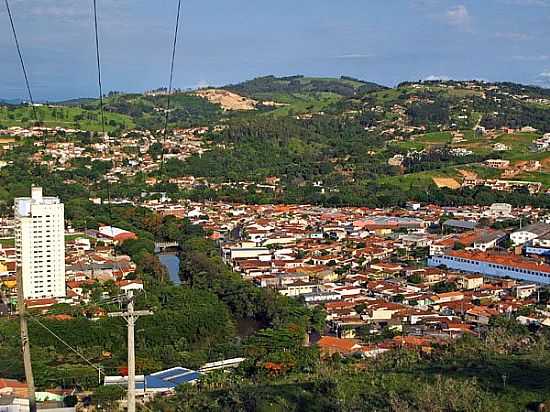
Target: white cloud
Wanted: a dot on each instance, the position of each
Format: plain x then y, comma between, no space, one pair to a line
459,16
202,84
538,3
512,36
545,74
538,58
355,56
435,77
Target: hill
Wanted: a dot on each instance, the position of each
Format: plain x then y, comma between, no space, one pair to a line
299,94
10,101
271,86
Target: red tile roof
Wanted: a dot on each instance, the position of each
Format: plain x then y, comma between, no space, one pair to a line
345,345
503,259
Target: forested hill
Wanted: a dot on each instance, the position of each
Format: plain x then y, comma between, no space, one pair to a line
336,141
264,87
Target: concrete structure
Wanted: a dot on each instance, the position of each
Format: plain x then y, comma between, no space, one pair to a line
40,245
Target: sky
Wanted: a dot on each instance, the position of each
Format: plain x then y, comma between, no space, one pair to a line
228,41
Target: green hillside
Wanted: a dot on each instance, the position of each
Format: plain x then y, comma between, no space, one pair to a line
67,117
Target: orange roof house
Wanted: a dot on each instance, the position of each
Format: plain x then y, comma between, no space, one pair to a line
330,345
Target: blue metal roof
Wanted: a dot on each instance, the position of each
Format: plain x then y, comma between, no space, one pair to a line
166,379
188,377
170,378
156,383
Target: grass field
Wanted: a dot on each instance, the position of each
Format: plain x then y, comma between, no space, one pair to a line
420,179
519,146
453,92
387,96
542,177
301,102
483,172
68,117
435,138
410,145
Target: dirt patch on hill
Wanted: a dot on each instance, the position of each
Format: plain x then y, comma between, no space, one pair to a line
546,164
446,182
467,174
227,100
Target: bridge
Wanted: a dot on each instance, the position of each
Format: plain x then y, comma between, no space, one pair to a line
162,246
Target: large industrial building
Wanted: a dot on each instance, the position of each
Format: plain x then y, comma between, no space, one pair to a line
494,264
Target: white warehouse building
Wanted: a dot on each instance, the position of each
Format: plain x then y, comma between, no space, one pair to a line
40,245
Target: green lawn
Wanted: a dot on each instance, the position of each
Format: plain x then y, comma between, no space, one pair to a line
435,138
484,172
409,145
301,102
420,179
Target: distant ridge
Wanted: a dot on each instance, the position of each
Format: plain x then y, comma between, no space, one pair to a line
75,102
262,87
11,101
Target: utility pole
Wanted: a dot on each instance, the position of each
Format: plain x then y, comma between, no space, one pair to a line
25,344
131,316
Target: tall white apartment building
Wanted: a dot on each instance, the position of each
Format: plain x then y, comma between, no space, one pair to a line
40,244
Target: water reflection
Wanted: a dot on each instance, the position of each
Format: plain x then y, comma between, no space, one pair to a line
172,263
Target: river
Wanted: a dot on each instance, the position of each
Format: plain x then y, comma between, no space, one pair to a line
171,262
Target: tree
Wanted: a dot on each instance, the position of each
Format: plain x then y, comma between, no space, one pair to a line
399,298
105,397
443,287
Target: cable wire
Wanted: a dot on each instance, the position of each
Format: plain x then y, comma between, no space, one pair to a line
35,113
167,113
98,60
101,110
97,368
67,345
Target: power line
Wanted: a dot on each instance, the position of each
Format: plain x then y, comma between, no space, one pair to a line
98,60
35,113
167,113
131,315
101,110
99,369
